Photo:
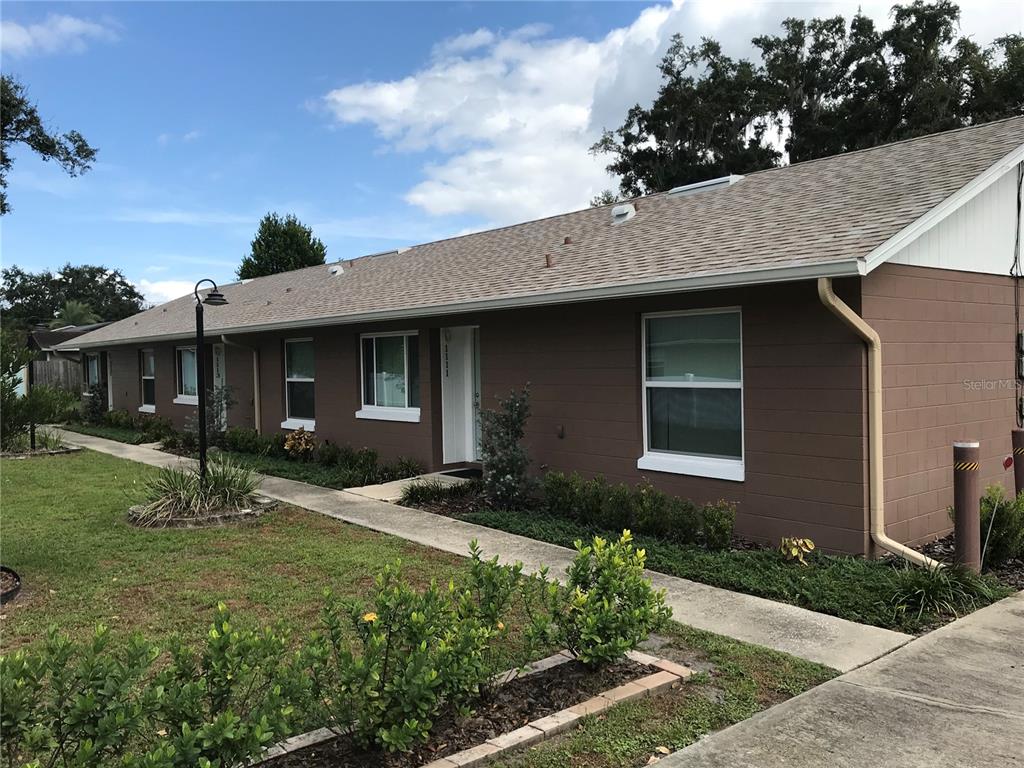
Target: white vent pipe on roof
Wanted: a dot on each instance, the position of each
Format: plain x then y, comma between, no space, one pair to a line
876,480
623,212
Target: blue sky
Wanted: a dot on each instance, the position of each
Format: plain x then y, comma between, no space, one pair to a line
379,125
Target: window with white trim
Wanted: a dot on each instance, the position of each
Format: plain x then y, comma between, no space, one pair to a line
92,370
147,368
390,376
185,366
299,384
693,393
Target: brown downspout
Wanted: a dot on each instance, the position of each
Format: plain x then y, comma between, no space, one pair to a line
257,410
876,486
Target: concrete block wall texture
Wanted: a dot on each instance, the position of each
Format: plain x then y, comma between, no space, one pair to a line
948,341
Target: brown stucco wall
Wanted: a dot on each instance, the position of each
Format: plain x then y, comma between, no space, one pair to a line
941,332
803,399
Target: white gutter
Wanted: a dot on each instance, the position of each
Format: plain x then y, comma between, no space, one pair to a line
257,409
876,480
847,268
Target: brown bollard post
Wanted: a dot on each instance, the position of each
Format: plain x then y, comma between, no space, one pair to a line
1017,440
967,505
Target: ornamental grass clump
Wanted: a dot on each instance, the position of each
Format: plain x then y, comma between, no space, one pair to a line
180,495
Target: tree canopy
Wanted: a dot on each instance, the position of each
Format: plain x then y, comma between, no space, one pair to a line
281,245
31,298
20,124
824,86
74,313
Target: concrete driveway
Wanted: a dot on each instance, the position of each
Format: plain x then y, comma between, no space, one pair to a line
954,697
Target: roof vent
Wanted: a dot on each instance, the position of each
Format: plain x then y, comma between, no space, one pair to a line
623,212
336,269
703,186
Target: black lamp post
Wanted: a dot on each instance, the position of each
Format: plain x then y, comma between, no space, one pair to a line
215,299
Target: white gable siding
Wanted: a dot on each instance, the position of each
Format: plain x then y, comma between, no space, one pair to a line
978,237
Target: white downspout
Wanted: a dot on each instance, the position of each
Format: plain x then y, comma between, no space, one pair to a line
257,410
876,486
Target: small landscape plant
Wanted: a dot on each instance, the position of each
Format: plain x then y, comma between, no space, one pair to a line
300,445
504,457
175,494
795,549
1006,540
943,591
610,606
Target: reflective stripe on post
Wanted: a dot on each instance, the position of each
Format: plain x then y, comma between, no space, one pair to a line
967,504
1017,440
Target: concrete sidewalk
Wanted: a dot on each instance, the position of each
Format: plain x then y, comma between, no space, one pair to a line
834,642
952,697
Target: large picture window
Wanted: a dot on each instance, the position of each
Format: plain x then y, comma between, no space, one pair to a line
147,367
299,384
693,394
390,377
185,365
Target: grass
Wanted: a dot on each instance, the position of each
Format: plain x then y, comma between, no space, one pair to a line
65,532
852,588
740,680
120,434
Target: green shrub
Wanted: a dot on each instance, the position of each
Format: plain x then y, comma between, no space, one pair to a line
610,507
399,469
53,405
562,493
941,591
175,493
503,455
242,440
75,705
329,454
425,492
244,690
273,445
119,420
155,428
717,521
14,416
219,401
94,404
609,605
1006,541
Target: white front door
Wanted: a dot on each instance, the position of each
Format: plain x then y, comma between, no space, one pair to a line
220,378
460,393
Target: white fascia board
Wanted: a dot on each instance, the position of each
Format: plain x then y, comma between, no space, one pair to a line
787,274
961,197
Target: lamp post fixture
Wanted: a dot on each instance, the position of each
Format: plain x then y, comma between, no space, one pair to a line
215,299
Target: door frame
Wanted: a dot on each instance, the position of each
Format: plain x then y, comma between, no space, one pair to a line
466,400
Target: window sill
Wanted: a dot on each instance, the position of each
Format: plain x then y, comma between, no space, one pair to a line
186,400
389,414
307,424
701,466
147,409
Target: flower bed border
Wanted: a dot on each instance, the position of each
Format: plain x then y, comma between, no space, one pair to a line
34,454
666,675
260,505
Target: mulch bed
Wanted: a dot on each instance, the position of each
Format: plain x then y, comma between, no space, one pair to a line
210,520
512,706
1010,573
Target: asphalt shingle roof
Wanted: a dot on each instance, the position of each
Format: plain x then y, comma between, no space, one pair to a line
822,212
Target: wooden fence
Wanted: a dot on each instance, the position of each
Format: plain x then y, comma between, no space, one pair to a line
66,374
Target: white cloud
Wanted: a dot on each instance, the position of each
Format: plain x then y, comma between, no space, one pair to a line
513,115
181,216
167,138
58,33
160,291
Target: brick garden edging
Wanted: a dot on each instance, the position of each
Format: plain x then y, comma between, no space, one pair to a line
668,674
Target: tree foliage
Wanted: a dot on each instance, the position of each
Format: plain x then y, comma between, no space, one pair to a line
30,298
281,245
20,124
824,85
74,312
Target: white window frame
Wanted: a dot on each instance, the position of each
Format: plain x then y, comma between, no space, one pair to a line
89,384
144,407
386,413
182,399
289,423
721,468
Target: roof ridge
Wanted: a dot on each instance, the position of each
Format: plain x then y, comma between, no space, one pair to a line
909,140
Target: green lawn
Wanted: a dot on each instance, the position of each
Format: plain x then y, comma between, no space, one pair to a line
64,531
120,434
736,681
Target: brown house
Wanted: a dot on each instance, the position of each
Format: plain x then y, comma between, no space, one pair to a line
720,340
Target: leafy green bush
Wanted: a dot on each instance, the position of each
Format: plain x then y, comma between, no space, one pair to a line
399,469
53,405
611,606
329,454
504,457
175,493
242,440
94,404
119,419
941,591
75,705
425,492
1006,541
717,521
